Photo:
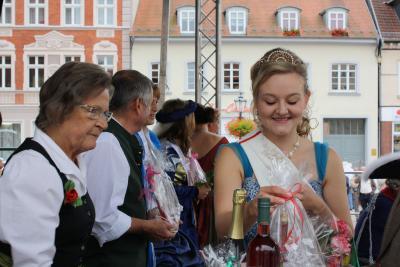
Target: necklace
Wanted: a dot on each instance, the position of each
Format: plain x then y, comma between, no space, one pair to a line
295,147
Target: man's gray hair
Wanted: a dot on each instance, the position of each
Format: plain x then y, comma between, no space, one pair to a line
130,85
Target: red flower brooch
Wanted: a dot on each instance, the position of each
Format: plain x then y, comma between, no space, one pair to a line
71,196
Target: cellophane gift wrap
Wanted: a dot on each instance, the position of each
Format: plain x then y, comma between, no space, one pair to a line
291,226
161,197
196,175
334,237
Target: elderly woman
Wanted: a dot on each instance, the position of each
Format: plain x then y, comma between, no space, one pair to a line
46,213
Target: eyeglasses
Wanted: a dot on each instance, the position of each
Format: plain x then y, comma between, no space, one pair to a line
96,113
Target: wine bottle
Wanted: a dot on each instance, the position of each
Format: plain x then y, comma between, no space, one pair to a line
263,250
236,230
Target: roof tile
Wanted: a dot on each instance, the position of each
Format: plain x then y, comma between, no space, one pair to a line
262,20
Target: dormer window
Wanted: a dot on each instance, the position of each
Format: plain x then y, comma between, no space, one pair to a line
288,18
237,20
186,19
335,18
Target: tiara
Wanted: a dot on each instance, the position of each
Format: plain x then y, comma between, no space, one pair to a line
280,55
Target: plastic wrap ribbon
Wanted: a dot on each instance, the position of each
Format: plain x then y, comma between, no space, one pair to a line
296,211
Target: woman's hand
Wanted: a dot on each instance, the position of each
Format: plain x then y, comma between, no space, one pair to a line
204,189
276,194
310,200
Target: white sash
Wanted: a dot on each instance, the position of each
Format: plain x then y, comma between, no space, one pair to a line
264,156
272,167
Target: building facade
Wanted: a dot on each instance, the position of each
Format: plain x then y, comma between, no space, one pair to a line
38,36
337,42
387,19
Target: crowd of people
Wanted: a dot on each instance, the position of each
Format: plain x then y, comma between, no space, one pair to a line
81,193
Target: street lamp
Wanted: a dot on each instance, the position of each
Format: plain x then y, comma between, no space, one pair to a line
240,104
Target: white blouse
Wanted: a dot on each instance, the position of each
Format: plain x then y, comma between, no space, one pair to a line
31,195
108,172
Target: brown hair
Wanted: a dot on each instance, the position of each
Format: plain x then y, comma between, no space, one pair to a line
280,61
71,84
181,131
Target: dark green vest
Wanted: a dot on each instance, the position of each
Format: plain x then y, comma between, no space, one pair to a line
130,249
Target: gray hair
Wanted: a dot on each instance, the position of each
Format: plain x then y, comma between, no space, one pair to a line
71,84
130,85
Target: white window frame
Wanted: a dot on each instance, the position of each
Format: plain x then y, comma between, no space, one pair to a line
3,67
338,90
44,5
231,89
108,65
10,5
151,71
289,12
189,76
72,57
187,88
394,133
105,48
150,76
330,21
96,7
21,123
236,11
51,44
63,12
184,17
8,49
36,67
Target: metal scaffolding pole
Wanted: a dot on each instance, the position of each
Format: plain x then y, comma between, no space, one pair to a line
162,83
208,43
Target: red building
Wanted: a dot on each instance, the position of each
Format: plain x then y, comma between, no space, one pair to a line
38,36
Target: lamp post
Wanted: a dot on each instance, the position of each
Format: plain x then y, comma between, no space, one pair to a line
240,104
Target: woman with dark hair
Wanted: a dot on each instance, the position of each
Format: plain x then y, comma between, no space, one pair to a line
280,97
46,212
175,127
213,124
206,144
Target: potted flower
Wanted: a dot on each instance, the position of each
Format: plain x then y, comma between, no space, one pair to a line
339,32
239,127
294,32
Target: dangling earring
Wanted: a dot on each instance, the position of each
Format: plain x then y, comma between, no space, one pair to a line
257,119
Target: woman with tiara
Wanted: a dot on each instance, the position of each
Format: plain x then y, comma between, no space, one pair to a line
280,98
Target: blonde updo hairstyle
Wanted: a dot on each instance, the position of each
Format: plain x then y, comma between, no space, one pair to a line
280,61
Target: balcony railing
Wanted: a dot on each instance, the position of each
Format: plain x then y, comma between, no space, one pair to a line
19,97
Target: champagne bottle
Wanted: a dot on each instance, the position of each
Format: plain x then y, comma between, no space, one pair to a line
263,250
236,230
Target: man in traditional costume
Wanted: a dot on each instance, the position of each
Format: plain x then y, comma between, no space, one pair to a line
121,232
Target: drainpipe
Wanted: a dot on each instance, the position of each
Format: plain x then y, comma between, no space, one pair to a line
131,42
378,54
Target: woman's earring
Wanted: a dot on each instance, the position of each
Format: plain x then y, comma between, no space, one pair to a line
257,119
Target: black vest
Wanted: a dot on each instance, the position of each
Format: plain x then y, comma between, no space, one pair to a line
75,222
130,250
